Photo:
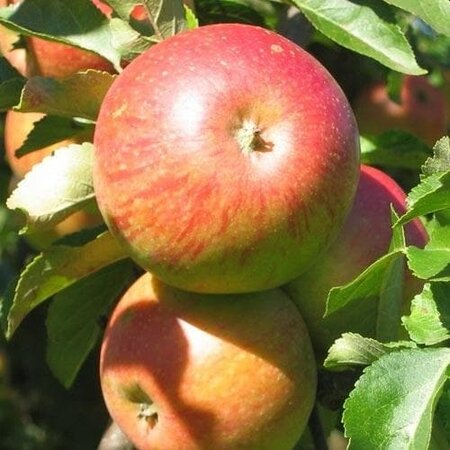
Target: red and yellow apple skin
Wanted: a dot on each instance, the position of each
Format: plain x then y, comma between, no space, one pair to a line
365,237
17,127
421,110
226,159
16,57
53,59
192,371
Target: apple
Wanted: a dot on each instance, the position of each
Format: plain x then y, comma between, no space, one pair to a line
17,127
226,159
365,237
421,110
17,57
193,371
53,59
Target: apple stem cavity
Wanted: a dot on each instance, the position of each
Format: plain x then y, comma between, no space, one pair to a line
249,138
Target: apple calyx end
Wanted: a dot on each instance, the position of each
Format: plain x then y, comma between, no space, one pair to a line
149,413
249,138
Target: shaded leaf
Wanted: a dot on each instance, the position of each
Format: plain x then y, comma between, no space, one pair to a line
72,321
56,269
78,23
394,149
167,17
11,84
79,95
53,129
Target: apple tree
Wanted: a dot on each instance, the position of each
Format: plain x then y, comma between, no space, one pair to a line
374,295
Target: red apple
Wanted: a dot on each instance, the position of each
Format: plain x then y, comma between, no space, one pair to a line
226,159
17,127
192,371
366,236
53,59
421,110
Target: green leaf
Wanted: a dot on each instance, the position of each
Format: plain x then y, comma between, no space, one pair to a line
435,13
76,22
440,162
443,410
368,28
72,320
56,187
390,300
377,291
429,321
394,149
191,19
53,129
355,350
433,261
367,284
11,84
128,42
431,195
79,95
166,17
56,269
393,402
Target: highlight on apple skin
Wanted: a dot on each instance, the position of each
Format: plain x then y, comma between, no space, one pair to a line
217,155
193,371
365,237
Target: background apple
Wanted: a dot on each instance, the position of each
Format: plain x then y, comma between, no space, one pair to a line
366,236
17,127
225,179
421,110
17,57
192,371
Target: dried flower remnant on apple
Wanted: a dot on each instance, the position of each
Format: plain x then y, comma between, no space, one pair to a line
236,193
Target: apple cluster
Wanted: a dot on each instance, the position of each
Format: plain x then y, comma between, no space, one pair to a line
217,155
227,165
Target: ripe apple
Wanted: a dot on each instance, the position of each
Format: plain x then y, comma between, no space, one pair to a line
226,159
420,112
53,59
17,127
16,57
192,371
365,237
